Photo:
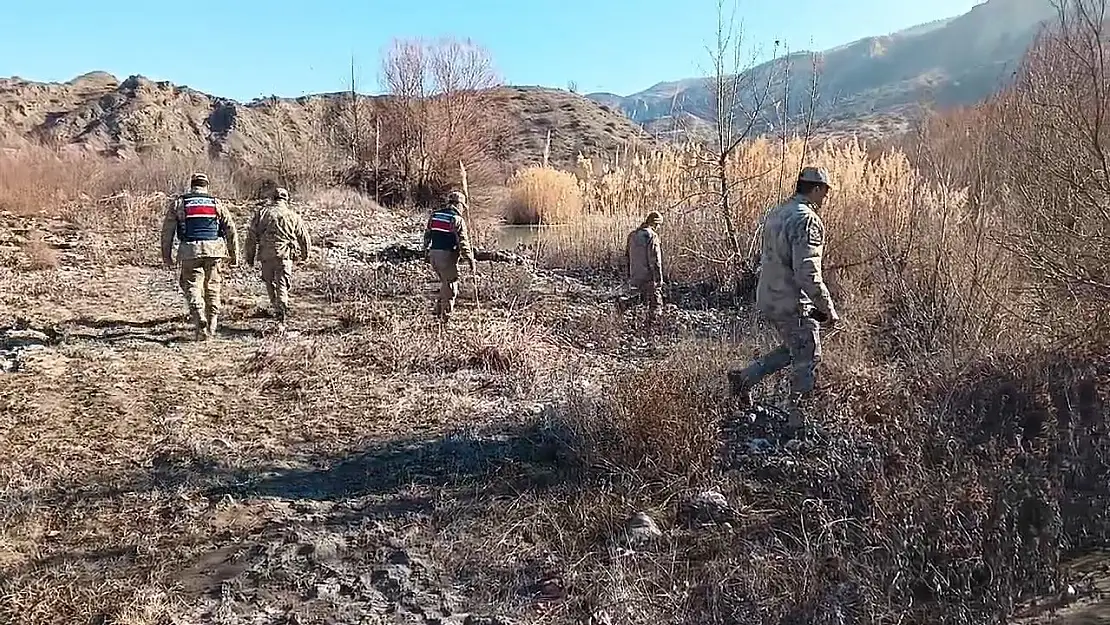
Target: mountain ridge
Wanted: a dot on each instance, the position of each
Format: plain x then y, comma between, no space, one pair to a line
947,62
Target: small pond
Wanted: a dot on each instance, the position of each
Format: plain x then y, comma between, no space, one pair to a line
508,236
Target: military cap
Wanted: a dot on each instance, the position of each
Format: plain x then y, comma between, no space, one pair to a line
814,174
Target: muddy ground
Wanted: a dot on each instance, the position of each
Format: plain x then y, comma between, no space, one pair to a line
371,466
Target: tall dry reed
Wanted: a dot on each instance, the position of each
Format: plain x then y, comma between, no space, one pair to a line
36,179
543,195
909,256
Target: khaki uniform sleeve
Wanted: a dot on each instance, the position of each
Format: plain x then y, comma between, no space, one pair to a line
231,233
655,257
809,245
169,231
465,251
304,240
628,253
253,235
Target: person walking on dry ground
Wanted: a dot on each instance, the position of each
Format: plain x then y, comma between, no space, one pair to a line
206,235
644,259
277,237
791,294
446,240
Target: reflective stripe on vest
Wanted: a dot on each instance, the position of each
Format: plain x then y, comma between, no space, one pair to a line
201,221
443,230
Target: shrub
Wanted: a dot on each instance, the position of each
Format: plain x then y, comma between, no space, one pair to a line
543,195
40,253
659,422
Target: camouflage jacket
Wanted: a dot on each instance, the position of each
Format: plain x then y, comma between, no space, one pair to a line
277,232
644,256
223,243
790,280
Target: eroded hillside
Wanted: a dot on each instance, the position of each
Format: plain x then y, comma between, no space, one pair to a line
97,112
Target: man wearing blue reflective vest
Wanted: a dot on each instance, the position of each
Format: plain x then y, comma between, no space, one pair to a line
206,235
446,241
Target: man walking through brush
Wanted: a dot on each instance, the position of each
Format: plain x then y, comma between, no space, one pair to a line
446,240
278,238
644,257
791,294
206,236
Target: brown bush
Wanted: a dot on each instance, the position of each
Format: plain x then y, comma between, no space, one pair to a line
946,510
543,195
438,116
40,254
661,422
36,179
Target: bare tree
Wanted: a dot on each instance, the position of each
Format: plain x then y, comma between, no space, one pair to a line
738,97
438,112
1054,159
404,72
811,122
789,117
745,96
356,127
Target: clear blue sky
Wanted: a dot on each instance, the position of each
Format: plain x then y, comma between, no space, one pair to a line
244,49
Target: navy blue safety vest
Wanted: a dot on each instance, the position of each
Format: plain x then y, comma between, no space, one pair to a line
443,230
201,222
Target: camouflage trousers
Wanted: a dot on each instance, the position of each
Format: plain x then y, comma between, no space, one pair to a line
200,281
277,273
647,293
800,350
445,264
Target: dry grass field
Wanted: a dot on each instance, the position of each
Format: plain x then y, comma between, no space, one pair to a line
537,460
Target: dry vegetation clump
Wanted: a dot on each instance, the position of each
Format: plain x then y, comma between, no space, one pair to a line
40,180
513,352
341,201
291,366
948,510
543,195
40,254
662,422
360,283
509,286
125,228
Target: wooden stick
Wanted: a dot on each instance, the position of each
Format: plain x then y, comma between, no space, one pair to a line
473,234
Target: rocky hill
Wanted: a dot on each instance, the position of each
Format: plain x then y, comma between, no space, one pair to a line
875,83
99,113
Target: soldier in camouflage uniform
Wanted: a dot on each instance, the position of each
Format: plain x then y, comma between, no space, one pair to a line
446,241
206,235
791,294
644,259
277,237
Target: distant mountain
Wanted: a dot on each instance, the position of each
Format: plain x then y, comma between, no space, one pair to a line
874,84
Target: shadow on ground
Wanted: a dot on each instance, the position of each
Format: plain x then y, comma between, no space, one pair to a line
515,459
527,457
162,330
